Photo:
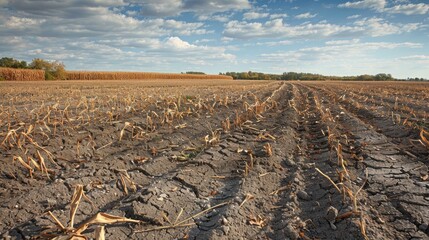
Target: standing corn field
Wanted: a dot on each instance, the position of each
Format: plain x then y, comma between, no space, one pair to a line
12,74
82,75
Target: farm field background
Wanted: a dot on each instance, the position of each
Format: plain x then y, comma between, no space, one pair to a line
214,159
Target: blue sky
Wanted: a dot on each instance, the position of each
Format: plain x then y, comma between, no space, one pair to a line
319,36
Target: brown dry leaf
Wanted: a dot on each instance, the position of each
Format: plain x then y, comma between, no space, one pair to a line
424,135
30,161
23,163
77,196
103,218
258,221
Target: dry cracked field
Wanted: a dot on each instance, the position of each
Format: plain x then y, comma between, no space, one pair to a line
214,160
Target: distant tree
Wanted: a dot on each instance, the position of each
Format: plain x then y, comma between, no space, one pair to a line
192,72
53,70
383,77
12,63
308,76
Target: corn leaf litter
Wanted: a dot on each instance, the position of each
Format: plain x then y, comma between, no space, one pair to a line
103,218
424,136
72,233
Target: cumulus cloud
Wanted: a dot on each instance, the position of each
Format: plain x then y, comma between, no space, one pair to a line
278,15
409,9
305,15
22,23
160,8
147,8
104,24
342,42
353,16
176,7
62,9
178,44
254,15
338,50
347,58
276,28
403,6
98,34
371,4
377,27
415,57
215,17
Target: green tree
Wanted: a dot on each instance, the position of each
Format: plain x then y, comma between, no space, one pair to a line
12,63
53,70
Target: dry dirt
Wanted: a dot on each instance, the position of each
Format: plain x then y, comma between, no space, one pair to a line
217,160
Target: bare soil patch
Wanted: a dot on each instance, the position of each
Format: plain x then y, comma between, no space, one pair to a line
215,159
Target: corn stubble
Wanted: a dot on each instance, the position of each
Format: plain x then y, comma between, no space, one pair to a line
71,232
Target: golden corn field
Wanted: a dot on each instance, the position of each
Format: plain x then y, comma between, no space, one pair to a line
213,159
81,75
12,74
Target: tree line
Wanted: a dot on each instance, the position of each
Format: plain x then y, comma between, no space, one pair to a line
311,76
54,70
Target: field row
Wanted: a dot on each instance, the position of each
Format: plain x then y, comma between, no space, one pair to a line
212,160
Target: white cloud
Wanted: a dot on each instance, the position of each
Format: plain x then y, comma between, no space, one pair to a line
380,6
305,15
278,15
103,23
152,8
401,1
409,9
178,44
215,17
176,7
353,16
374,27
377,27
415,57
341,50
342,42
371,4
276,29
160,8
351,58
22,23
254,15
274,43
